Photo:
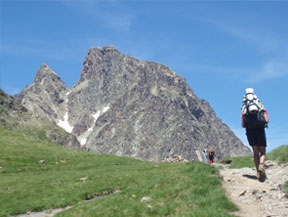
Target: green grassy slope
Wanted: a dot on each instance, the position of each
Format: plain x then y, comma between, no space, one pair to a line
36,174
279,154
240,162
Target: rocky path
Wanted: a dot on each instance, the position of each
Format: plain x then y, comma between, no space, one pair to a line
45,213
256,199
51,212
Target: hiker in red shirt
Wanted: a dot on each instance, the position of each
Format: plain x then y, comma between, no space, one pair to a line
211,155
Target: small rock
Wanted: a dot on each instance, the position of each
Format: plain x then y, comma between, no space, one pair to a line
83,179
42,162
280,196
254,191
145,199
133,195
273,189
242,194
150,207
174,159
280,187
226,161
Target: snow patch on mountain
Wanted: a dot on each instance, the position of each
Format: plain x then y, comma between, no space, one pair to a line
84,136
65,124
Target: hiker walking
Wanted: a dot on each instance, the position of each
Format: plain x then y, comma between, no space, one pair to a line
254,118
211,155
205,156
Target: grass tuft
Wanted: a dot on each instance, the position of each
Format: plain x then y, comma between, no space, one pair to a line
279,154
240,162
286,187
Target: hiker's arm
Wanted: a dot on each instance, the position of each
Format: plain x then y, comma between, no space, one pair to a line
266,116
243,111
242,121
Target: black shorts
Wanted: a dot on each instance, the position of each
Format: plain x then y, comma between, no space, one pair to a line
256,137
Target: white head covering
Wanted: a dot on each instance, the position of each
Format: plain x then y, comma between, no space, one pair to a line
249,90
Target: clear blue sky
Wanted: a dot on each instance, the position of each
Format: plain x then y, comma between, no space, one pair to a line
220,47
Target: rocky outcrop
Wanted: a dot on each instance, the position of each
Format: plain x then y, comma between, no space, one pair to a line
16,117
127,107
46,96
174,159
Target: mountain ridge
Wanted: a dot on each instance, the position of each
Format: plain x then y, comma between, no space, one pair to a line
127,107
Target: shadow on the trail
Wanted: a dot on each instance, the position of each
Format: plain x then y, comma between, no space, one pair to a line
249,176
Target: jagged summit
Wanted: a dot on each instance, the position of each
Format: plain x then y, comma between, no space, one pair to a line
104,49
98,60
128,107
44,72
44,66
45,97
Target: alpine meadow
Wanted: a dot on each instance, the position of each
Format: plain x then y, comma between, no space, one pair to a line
37,175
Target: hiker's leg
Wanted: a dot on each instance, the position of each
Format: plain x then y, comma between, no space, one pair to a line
256,157
262,150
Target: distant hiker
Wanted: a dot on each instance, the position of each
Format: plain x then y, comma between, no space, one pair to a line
205,156
255,118
211,155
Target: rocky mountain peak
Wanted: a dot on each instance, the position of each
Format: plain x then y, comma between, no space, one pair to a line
99,60
45,97
45,72
103,50
128,107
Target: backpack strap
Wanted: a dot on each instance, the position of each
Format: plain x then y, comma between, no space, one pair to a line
244,109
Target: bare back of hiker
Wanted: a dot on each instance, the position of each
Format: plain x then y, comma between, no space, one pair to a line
255,118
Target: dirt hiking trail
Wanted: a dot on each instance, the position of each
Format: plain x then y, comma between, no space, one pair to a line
254,198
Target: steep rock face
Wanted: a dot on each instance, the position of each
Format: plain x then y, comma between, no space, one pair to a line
46,97
156,115
128,107
106,75
16,117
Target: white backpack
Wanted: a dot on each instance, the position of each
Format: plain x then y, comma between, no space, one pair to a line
251,101
253,110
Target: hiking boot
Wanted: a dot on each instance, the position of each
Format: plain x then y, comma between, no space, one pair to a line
262,174
258,176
